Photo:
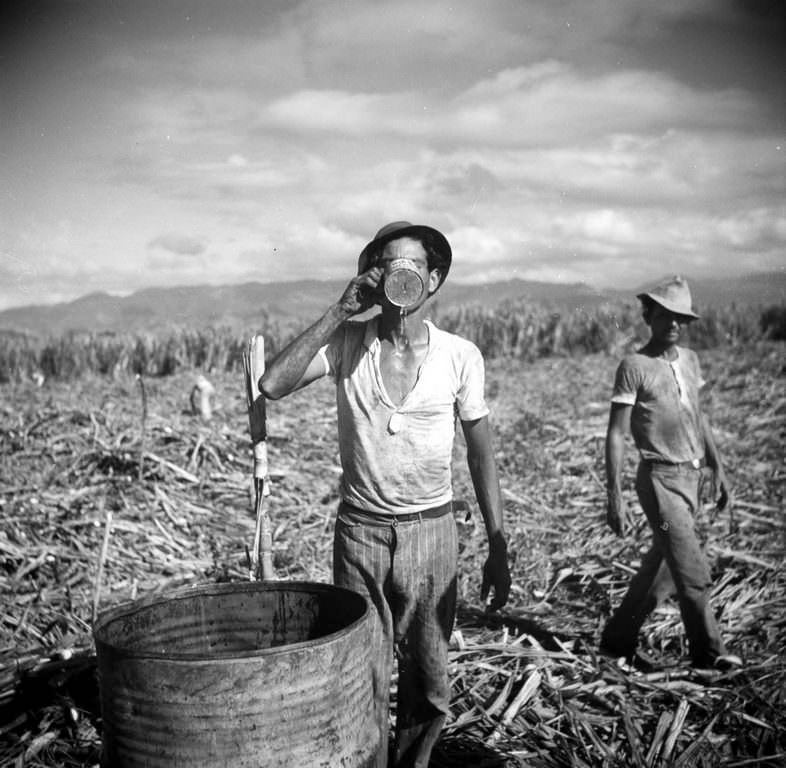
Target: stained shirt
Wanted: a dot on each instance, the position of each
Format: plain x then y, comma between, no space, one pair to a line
397,459
665,420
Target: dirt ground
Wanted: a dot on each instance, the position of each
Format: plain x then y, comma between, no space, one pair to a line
90,462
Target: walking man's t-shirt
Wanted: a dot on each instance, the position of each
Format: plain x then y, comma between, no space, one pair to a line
665,420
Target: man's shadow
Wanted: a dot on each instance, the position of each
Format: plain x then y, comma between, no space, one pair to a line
470,617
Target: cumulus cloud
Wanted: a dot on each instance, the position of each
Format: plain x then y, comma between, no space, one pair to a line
760,228
548,103
177,244
342,112
478,251
605,226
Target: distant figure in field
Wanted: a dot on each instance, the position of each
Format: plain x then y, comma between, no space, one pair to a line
656,396
400,384
201,398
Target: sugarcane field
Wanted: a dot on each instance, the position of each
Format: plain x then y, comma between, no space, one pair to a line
131,478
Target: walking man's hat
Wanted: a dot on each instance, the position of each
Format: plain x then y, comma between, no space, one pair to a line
398,229
673,295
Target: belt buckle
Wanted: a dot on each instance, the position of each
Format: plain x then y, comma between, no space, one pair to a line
696,463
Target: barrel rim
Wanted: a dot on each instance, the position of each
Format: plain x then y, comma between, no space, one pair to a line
109,615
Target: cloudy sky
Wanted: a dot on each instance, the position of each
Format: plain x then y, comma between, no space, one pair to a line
173,142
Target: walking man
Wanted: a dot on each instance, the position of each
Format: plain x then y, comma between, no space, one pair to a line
656,396
400,384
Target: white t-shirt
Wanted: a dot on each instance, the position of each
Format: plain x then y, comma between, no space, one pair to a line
397,459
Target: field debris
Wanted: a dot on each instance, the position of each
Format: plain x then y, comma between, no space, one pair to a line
89,520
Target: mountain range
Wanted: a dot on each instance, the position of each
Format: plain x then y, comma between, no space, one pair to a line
242,305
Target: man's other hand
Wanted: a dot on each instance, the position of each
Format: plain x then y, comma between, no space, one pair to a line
722,493
496,574
617,513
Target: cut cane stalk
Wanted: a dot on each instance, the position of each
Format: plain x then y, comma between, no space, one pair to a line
261,565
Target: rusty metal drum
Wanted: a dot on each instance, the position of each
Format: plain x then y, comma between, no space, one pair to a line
255,674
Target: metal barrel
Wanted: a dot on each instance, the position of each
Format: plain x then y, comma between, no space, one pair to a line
250,674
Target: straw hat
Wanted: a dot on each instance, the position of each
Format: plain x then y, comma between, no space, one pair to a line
398,229
673,295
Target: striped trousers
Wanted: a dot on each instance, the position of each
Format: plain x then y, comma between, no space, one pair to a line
407,572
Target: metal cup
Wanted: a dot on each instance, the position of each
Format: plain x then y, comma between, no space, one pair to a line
403,284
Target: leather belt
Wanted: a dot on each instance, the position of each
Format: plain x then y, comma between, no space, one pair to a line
408,517
692,464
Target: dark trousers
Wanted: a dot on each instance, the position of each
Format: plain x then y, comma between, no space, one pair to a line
674,564
407,571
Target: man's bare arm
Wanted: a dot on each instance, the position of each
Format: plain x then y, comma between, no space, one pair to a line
619,424
295,366
485,480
